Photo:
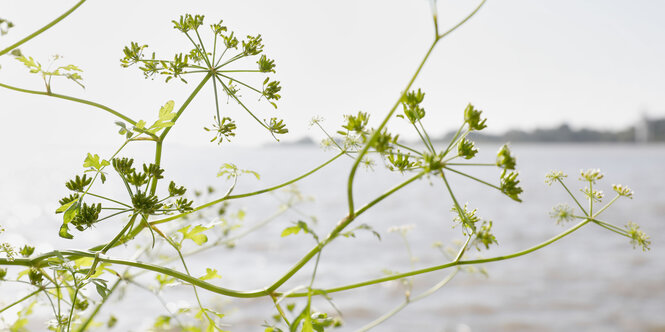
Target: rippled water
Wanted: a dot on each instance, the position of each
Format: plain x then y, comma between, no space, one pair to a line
592,280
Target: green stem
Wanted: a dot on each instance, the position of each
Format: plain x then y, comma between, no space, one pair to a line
462,21
44,28
242,83
377,132
185,104
82,101
158,159
71,311
333,234
606,206
20,300
228,92
422,138
408,301
75,254
88,320
418,153
473,178
458,207
453,140
448,265
108,199
429,140
470,164
217,201
573,196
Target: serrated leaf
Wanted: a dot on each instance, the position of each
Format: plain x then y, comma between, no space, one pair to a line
210,274
195,234
166,112
70,68
165,116
94,162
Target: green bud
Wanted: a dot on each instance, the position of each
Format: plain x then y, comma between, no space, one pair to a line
505,159
472,118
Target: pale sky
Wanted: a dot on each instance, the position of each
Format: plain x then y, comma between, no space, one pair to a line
526,63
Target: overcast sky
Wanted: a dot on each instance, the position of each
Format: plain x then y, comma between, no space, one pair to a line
526,63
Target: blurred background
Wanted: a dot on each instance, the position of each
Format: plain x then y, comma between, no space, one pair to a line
572,85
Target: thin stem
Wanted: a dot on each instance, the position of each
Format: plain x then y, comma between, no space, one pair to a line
340,227
462,249
448,265
462,21
573,196
234,58
108,199
228,92
20,300
473,178
254,193
591,197
606,206
185,104
71,311
241,71
198,48
279,309
44,28
408,148
82,101
453,140
429,140
214,88
242,83
458,207
205,54
88,320
408,301
611,227
422,138
470,164
363,152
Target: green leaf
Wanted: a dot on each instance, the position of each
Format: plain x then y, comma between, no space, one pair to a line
291,230
165,116
210,274
64,232
195,234
93,161
70,213
100,286
65,206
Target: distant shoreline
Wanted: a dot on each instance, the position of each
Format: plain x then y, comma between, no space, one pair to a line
645,131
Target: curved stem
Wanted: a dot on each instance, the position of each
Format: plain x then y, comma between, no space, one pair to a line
82,101
377,132
448,265
254,193
462,21
44,28
408,301
338,229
